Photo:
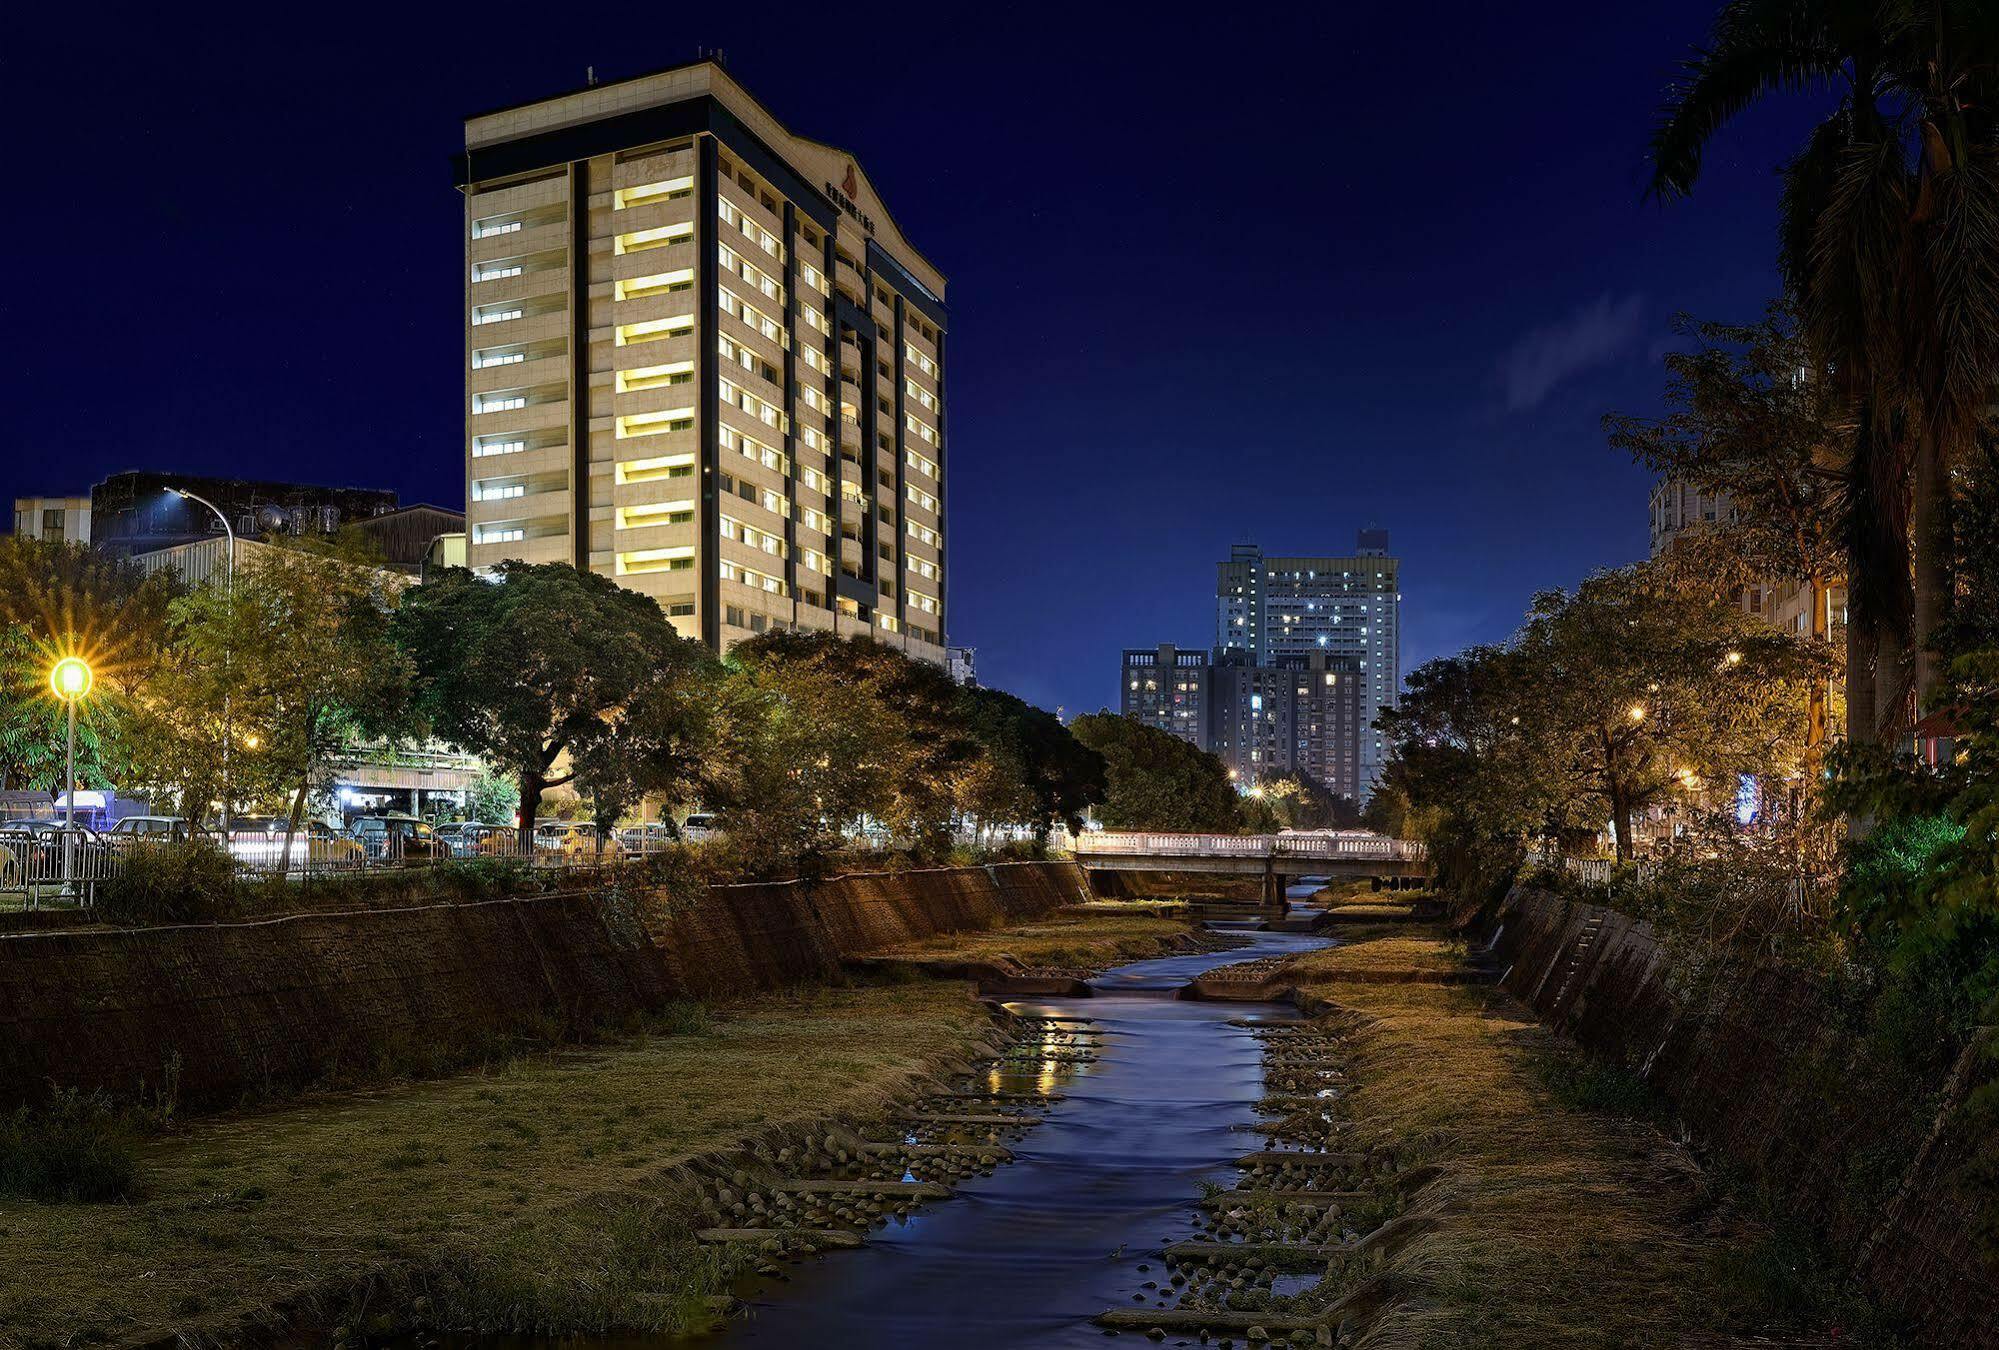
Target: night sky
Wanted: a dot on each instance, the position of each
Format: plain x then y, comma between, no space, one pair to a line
1271,281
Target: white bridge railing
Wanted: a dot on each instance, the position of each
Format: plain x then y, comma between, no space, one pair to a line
1359,848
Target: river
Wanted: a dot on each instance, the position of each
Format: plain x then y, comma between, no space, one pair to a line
1028,1255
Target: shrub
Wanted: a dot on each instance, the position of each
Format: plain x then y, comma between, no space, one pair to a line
75,1150
170,885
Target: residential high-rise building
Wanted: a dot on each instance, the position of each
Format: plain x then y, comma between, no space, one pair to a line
1301,713
1167,687
1345,608
701,358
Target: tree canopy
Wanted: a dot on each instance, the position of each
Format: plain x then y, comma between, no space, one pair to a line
1155,780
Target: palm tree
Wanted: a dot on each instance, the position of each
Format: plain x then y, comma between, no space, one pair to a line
1890,243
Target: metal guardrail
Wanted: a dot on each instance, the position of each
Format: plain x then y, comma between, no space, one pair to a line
1372,848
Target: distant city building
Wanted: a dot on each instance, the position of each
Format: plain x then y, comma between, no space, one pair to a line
134,513
1345,608
1167,687
959,662
56,519
701,358
1300,714
1677,506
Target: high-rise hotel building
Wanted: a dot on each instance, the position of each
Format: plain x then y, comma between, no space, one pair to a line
702,359
1347,609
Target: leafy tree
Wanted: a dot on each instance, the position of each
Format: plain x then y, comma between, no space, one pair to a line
1155,780
820,733
533,667
1643,693
657,744
1890,242
1300,801
1032,771
289,664
492,799
1752,418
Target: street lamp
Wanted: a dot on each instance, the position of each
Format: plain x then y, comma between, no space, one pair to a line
229,589
71,679
1637,711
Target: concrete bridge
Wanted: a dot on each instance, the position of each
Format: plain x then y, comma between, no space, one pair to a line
1272,857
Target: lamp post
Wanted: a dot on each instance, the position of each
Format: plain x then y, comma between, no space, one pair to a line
70,678
229,589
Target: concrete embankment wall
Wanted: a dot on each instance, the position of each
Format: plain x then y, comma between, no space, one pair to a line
1767,1073
233,1010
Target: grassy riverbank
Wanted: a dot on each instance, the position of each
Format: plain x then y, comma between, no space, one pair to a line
1565,1216
1071,939
461,1187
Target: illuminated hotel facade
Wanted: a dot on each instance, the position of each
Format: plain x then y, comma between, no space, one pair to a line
701,359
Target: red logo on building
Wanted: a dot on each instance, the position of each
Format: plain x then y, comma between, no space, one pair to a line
851,185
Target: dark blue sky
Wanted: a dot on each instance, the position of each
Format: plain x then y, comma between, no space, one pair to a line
1273,279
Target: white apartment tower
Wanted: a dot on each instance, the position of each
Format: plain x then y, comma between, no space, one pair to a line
1347,609
701,358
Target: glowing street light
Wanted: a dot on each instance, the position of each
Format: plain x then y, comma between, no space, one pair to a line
1637,712
1733,658
71,679
229,584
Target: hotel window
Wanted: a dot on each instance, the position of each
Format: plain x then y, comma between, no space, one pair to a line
922,362
645,194
495,225
653,470
736,307
641,561
813,318
814,278
919,393
638,241
814,480
661,283
816,359
750,229
919,497
653,330
501,534
655,377
742,398
926,603
814,519
505,401
922,464
924,568
750,577
751,448
745,357
752,536
750,272
679,609
655,513
493,271
495,314
815,401
484,446
493,492
633,425
922,428
923,534
498,356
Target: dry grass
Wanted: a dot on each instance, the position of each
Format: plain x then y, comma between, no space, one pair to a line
1380,948
1556,1226
241,1214
1068,939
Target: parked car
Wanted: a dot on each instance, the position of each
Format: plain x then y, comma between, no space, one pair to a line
699,826
396,838
259,842
472,839
574,841
650,837
155,830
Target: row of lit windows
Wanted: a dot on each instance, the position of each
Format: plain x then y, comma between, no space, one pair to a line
734,262
749,534
751,448
745,357
736,307
762,409
769,242
645,194
922,464
659,236
749,576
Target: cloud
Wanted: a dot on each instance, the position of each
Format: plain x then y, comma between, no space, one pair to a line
1590,336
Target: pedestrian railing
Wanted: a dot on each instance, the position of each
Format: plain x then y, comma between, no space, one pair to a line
45,867
1127,843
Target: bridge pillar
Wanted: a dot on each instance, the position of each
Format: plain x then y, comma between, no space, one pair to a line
1273,888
